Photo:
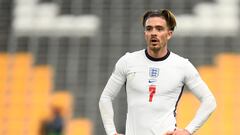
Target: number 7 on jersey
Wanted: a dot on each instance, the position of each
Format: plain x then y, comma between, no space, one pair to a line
152,91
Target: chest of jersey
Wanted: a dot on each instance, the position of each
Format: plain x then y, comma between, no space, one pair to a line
164,79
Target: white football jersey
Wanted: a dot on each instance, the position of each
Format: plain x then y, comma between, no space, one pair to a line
154,87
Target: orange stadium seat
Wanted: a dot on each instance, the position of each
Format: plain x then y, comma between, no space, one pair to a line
29,99
3,73
21,64
19,76
228,79
184,114
223,79
42,80
19,87
15,127
79,126
4,59
4,111
209,73
17,113
39,97
62,100
210,76
40,89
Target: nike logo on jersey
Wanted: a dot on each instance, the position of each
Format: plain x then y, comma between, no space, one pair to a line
152,80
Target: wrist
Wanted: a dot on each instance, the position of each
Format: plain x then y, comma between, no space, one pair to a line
187,131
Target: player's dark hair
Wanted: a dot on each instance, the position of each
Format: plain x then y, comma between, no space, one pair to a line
163,13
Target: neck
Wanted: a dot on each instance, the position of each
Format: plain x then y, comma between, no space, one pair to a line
157,53
157,58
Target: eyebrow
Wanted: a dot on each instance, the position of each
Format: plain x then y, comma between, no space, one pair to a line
154,26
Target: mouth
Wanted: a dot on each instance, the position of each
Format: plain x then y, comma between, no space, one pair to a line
154,40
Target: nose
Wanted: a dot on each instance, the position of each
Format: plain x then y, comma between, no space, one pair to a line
154,32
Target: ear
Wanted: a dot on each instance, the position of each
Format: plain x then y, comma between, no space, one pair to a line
170,33
144,33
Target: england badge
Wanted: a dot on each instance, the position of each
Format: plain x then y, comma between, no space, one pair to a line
153,72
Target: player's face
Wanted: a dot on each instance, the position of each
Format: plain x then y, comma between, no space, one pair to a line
157,33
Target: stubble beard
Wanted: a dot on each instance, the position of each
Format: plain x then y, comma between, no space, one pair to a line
156,48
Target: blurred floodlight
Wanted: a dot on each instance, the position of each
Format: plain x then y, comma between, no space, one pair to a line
210,19
44,20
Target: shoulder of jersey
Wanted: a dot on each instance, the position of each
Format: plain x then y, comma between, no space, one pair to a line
178,57
136,54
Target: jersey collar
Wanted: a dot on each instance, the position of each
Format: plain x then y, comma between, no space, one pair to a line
157,59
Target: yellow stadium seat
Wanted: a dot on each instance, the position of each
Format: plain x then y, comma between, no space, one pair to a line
26,99
36,114
227,65
62,100
20,86
17,99
228,79
184,114
33,127
4,111
41,86
3,128
21,64
3,96
208,74
3,86
3,73
42,80
4,59
17,113
14,127
81,126
19,74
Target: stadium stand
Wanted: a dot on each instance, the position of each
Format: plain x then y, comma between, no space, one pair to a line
79,127
27,97
223,79
79,63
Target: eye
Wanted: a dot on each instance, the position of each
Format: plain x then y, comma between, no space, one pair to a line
159,28
148,28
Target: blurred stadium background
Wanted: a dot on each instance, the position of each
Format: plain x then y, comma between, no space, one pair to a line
61,53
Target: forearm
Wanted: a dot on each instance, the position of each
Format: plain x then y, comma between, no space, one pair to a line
207,106
107,114
105,103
